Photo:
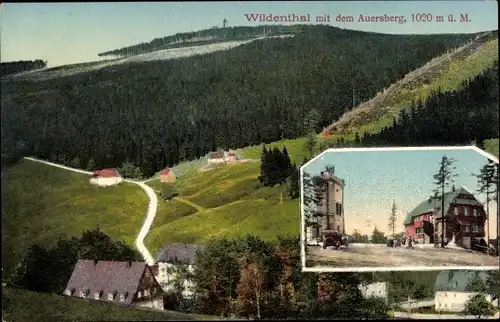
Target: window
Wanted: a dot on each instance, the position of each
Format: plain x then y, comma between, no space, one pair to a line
97,295
111,296
139,294
68,292
146,293
84,293
122,296
466,228
475,228
457,211
466,211
474,212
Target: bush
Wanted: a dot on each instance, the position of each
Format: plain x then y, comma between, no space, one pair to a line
169,191
479,307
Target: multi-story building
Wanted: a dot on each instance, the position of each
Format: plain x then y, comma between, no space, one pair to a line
464,219
330,206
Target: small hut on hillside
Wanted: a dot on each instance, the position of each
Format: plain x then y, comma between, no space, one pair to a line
217,157
106,177
167,175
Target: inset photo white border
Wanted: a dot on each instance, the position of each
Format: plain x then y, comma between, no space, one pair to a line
339,241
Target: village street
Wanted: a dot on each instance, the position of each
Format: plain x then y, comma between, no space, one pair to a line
150,214
379,255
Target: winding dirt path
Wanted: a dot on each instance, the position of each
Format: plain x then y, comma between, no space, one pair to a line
150,214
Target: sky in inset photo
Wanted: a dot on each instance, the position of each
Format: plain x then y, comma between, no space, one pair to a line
67,33
374,179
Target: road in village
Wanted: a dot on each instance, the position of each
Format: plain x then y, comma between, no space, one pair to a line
150,214
379,255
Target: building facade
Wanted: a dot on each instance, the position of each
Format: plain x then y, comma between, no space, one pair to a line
452,291
329,191
375,290
174,267
463,223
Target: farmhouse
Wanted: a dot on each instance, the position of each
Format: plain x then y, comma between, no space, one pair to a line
173,262
463,221
217,157
329,190
231,156
106,177
452,291
126,283
221,156
167,175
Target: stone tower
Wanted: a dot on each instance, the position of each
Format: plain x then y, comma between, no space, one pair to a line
330,193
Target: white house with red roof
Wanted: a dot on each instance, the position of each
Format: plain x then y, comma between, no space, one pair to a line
106,177
167,175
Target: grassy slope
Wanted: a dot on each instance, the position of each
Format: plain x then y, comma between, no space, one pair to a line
20,305
41,203
447,72
228,203
259,210
231,201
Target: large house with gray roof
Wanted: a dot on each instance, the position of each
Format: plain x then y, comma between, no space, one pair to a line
125,283
452,289
464,219
176,261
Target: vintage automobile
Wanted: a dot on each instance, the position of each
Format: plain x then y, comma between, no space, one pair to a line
393,242
335,239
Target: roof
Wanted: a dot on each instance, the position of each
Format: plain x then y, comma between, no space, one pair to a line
450,198
165,171
106,173
183,253
456,280
107,277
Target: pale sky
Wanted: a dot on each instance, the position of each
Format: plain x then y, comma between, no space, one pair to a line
64,33
375,178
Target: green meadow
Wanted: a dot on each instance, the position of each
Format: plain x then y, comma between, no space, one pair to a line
27,306
41,203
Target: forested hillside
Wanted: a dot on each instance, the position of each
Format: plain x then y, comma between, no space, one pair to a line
157,114
13,67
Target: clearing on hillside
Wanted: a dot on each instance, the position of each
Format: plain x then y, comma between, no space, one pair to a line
230,203
41,203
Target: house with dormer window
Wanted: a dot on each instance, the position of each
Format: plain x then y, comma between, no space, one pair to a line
464,219
125,283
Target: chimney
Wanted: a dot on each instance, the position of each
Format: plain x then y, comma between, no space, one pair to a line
129,263
95,261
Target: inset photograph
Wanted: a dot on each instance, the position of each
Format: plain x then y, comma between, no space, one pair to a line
390,209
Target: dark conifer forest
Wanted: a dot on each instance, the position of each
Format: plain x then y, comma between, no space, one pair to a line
13,67
157,114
